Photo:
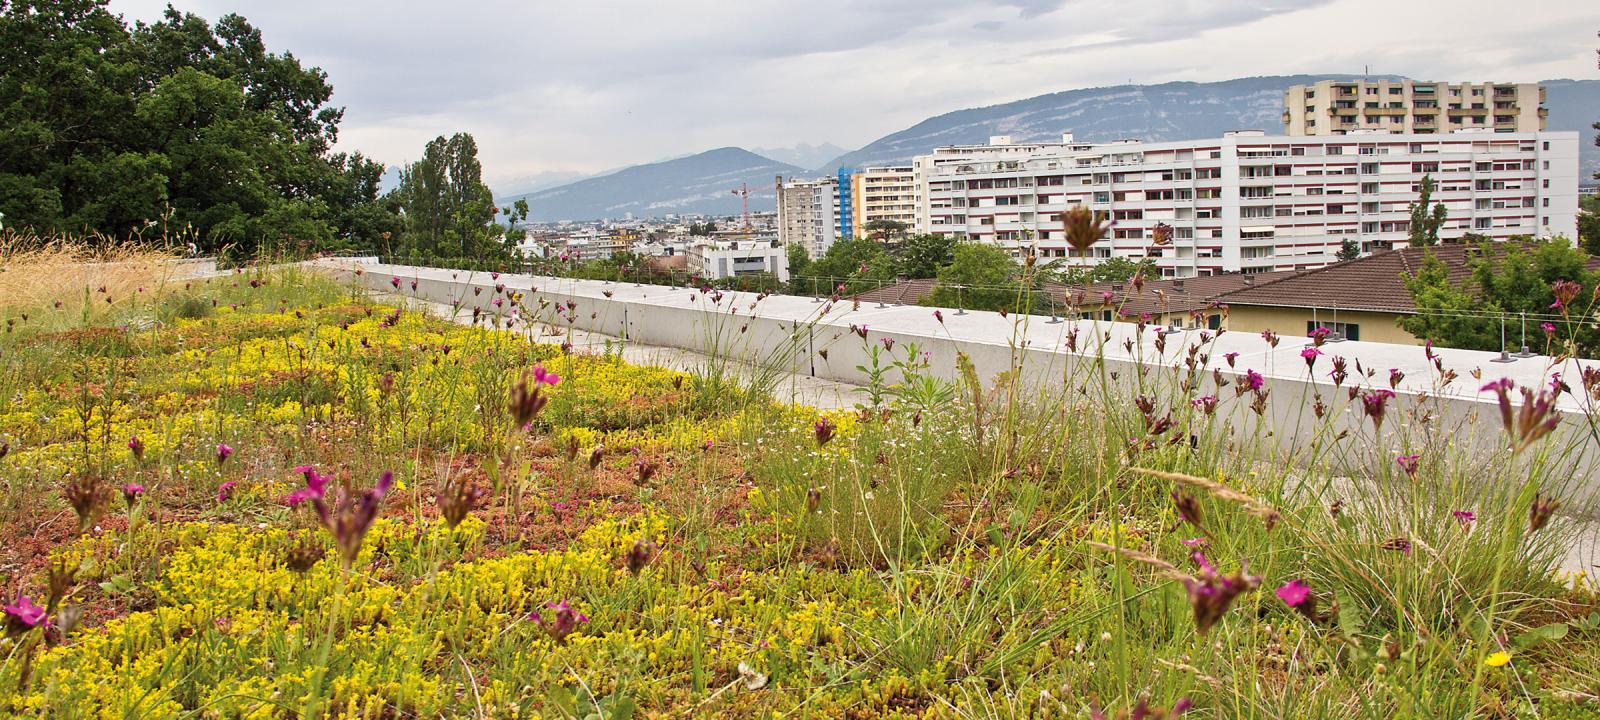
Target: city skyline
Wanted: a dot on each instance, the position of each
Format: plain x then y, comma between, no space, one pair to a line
568,88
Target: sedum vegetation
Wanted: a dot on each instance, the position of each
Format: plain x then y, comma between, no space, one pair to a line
264,494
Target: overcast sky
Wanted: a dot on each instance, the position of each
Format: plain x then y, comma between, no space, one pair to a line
586,85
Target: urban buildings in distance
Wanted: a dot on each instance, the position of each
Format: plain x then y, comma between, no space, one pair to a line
1248,202
1342,176
1413,107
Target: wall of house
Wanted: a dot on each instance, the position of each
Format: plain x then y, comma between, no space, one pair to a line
1375,327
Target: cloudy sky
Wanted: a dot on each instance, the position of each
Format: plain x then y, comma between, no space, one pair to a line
589,85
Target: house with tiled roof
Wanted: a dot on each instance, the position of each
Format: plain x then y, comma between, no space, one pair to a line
1361,299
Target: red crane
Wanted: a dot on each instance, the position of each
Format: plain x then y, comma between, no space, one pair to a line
743,191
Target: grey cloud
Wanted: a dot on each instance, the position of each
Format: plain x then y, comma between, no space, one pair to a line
591,85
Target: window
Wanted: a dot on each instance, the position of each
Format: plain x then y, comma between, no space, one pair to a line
1349,331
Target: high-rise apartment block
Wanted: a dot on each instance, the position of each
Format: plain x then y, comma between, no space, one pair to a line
1334,107
807,214
883,194
1247,201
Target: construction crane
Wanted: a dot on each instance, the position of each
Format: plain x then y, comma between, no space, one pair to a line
743,191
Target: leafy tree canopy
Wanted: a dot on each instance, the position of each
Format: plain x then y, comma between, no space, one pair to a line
1509,280
449,211
180,128
981,276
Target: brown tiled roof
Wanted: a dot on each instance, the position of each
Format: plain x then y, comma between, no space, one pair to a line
1158,296
909,292
1375,282
1167,295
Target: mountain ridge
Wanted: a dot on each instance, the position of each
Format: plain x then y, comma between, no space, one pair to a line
1156,113
701,183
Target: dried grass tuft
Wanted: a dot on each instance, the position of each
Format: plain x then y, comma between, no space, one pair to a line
37,272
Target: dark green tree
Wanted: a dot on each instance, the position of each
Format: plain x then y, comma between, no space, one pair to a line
179,128
515,215
1426,216
884,230
798,258
1510,280
449,211
1113,269
921,256
1589,224
859,265
981,277
1348,250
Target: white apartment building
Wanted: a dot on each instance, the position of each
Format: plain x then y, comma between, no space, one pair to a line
807,214
732,254
1333,107
1250,202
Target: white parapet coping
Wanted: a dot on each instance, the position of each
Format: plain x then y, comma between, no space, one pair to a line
770,328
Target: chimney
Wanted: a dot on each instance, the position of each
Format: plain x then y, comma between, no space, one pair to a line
1248,281
1178,284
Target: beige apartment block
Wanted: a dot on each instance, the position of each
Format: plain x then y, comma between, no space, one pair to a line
883,193
1334,107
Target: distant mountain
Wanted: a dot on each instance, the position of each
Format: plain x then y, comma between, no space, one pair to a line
1169,111
805,154
700,183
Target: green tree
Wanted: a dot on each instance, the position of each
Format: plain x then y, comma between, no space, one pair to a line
883,230
449,212
1348,250
1426,216
859,265
798,258
1113,269
1589,224
1509,280
921,256
515,215
981,276
180,128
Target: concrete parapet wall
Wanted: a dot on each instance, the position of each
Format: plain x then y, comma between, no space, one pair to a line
792,333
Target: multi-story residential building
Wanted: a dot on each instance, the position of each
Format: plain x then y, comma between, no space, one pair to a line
1249,202
806,214
729,254
844,203
1333,107
883,194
